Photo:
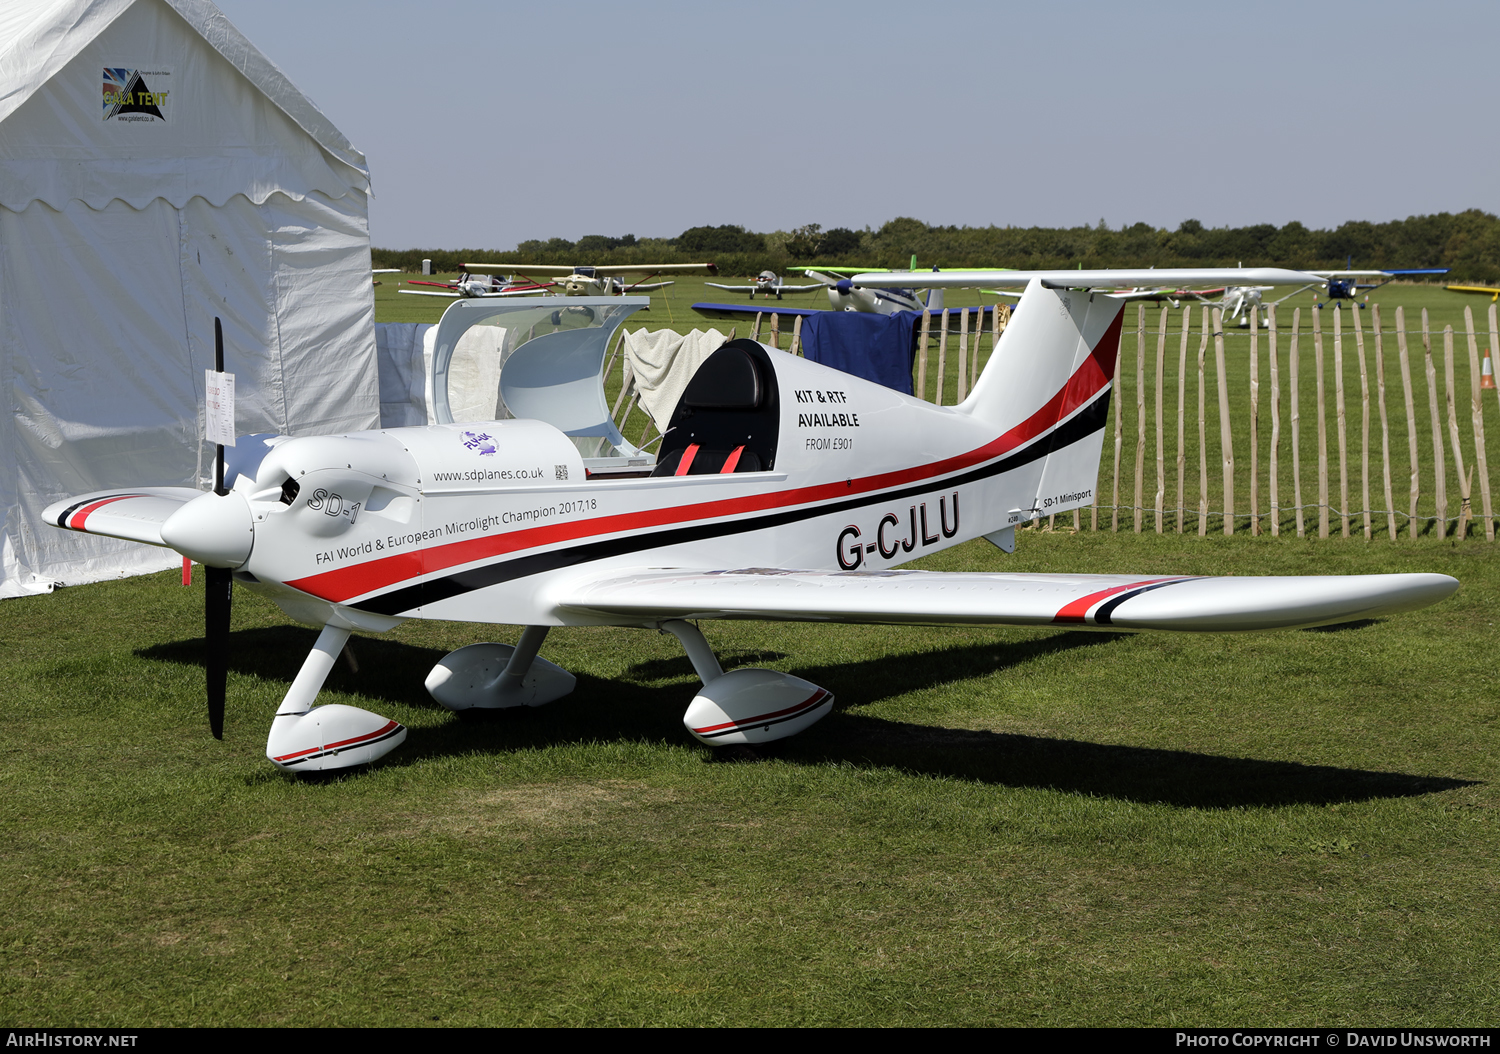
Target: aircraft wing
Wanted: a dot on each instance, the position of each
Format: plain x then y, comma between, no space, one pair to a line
1393,272
1113,278
1487,290
135,515
599,272
1119,602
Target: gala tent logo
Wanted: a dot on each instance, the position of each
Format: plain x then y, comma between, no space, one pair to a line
127,97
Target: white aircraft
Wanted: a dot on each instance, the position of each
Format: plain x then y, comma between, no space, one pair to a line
481,285
595,281
783,490
844,294
767,283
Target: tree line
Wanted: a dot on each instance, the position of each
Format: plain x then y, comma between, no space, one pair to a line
1467,242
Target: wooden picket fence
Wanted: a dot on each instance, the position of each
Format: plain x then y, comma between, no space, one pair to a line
1268,426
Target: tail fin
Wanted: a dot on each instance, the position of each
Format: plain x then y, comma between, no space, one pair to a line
934,296
1047,387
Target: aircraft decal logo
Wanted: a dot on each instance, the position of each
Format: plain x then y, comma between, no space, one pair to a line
129,98
481,442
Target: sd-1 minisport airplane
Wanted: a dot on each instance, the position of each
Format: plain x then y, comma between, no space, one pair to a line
782,490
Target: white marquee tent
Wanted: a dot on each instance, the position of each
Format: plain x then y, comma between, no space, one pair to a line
200,182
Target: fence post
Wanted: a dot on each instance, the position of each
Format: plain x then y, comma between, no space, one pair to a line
1275,421
1119,400
1385,427
796,348
775,331
1294,370
627,384
1254,421
978,334
922,356
1226,434
942,355
1317,313
1466,506
1440,470
1161,454
1364,420
963,354
1140,415
1203,427
755,333
1494,341
1411,418
1181,416
1477,411
1340,419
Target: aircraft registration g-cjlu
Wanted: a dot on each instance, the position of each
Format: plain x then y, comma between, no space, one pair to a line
782,490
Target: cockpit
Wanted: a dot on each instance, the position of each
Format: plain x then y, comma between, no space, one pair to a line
543,359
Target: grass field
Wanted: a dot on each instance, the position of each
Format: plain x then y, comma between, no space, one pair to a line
993,827
1016,826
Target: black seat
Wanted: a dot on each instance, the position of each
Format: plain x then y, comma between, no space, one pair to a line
728,419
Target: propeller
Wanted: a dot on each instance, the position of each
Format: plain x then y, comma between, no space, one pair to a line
219,583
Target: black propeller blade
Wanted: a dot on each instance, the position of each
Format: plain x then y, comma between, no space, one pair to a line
219,583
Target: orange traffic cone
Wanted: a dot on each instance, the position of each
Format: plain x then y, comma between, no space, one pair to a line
1487,375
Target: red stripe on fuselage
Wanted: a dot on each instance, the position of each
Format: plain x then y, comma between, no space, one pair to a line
359,579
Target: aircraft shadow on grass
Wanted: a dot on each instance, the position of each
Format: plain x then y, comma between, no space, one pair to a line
613,710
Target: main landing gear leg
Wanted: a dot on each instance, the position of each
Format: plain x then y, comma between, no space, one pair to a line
499,676
746,705
308,738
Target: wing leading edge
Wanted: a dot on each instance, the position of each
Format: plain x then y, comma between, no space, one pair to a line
1118,602
134,515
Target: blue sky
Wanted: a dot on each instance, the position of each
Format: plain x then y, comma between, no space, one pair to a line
489,123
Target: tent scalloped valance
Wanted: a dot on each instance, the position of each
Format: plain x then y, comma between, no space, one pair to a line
175,180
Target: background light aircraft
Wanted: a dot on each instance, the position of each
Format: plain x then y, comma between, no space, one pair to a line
783,490
595,281
1488,290
1346,285
484,285
767,283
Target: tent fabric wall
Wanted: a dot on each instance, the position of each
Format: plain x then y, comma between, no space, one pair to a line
403,351
120,244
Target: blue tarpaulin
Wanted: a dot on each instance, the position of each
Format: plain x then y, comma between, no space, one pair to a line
876,347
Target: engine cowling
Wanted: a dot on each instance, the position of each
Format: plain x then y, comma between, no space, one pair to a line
749,706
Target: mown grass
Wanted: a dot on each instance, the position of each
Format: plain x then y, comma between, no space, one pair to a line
993,827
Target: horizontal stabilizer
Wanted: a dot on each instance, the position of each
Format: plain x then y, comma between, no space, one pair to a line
1119,602
134,515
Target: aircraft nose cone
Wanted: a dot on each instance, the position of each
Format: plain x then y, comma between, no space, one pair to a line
216,530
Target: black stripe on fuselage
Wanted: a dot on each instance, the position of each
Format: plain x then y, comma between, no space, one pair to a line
1080,426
